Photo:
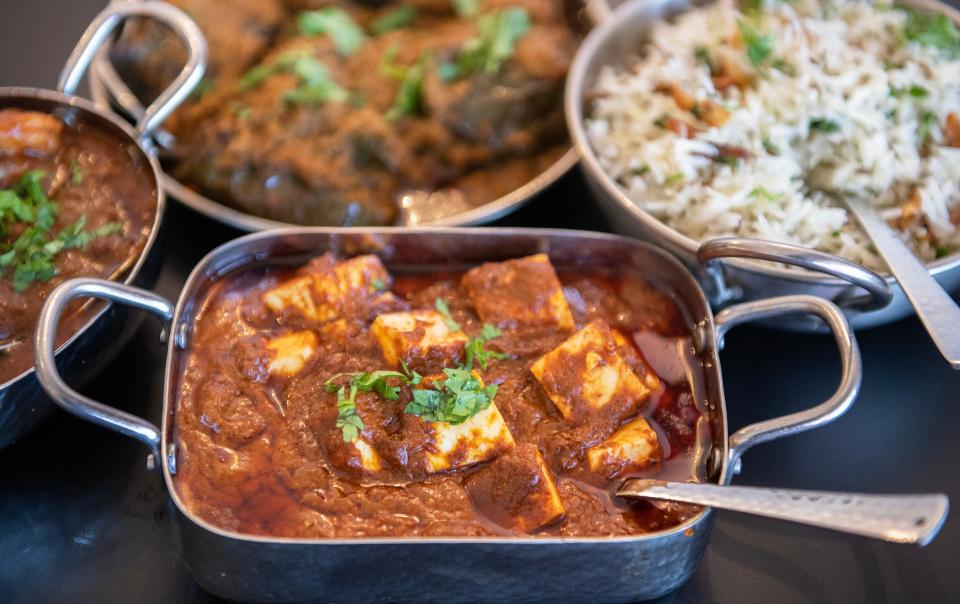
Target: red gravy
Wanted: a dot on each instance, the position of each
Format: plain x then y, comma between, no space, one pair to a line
261,454
90,173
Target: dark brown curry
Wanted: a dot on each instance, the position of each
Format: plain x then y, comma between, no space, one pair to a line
338,400
356,113
75,201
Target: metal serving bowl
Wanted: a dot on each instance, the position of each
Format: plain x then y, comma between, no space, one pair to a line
619,37
262,568
108,88
22,402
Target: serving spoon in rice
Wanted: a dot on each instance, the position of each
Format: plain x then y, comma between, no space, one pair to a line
935,308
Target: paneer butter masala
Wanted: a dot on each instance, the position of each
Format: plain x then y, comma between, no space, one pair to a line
339,400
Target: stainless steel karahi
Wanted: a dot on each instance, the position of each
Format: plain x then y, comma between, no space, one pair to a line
256,568
620,37
22,402
108,88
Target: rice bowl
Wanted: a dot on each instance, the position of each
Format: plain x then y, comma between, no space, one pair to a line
752,121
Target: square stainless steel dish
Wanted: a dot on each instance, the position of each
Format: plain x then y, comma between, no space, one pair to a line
264,568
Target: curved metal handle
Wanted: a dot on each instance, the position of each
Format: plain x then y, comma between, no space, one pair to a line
898,518
827,411
46,342
99,31
758,249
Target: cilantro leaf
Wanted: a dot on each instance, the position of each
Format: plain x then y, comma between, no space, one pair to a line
409,99
931,29
763,194
455,399
337,24
466,8
758,45
398,18
824,124
444,310
498,33
474,349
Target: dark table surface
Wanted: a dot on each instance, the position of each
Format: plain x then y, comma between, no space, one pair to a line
82,520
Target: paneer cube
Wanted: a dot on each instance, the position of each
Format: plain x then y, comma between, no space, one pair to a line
517,490
419,338
291,352
368,456
586,373
481,438
519,293
632,448
345,289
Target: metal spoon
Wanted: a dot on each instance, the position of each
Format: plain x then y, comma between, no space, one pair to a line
935,308
898,518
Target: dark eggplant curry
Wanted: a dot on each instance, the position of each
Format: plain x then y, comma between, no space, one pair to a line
336,112
75,201
338,400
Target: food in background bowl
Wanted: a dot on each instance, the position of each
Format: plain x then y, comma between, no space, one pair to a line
355,113
751,120
75,201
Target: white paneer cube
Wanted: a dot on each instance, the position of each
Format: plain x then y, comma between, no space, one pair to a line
480,438
517,490
519,293
290,353
369,458
419,338
586,373
345,289
632,448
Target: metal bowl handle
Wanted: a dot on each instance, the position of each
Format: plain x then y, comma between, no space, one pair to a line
107,21
758,249
827,411
45,348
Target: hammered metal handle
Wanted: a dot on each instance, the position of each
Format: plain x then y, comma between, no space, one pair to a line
103,26
45,347
711,252
851,372
898,518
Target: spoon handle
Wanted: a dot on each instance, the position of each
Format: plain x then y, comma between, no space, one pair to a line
935,308
898,518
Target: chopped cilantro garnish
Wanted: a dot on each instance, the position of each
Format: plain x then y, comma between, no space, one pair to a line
33,253
769,147
762,194
495,42
928,120
444,310
673,178
475,350
335,23
316,84
379,285
942,251
823,124
398,18
453,400
758,45
466,8
913,90
931,29
409,99
661,122
348,420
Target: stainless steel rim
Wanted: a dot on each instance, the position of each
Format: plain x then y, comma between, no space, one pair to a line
575,89
159,439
